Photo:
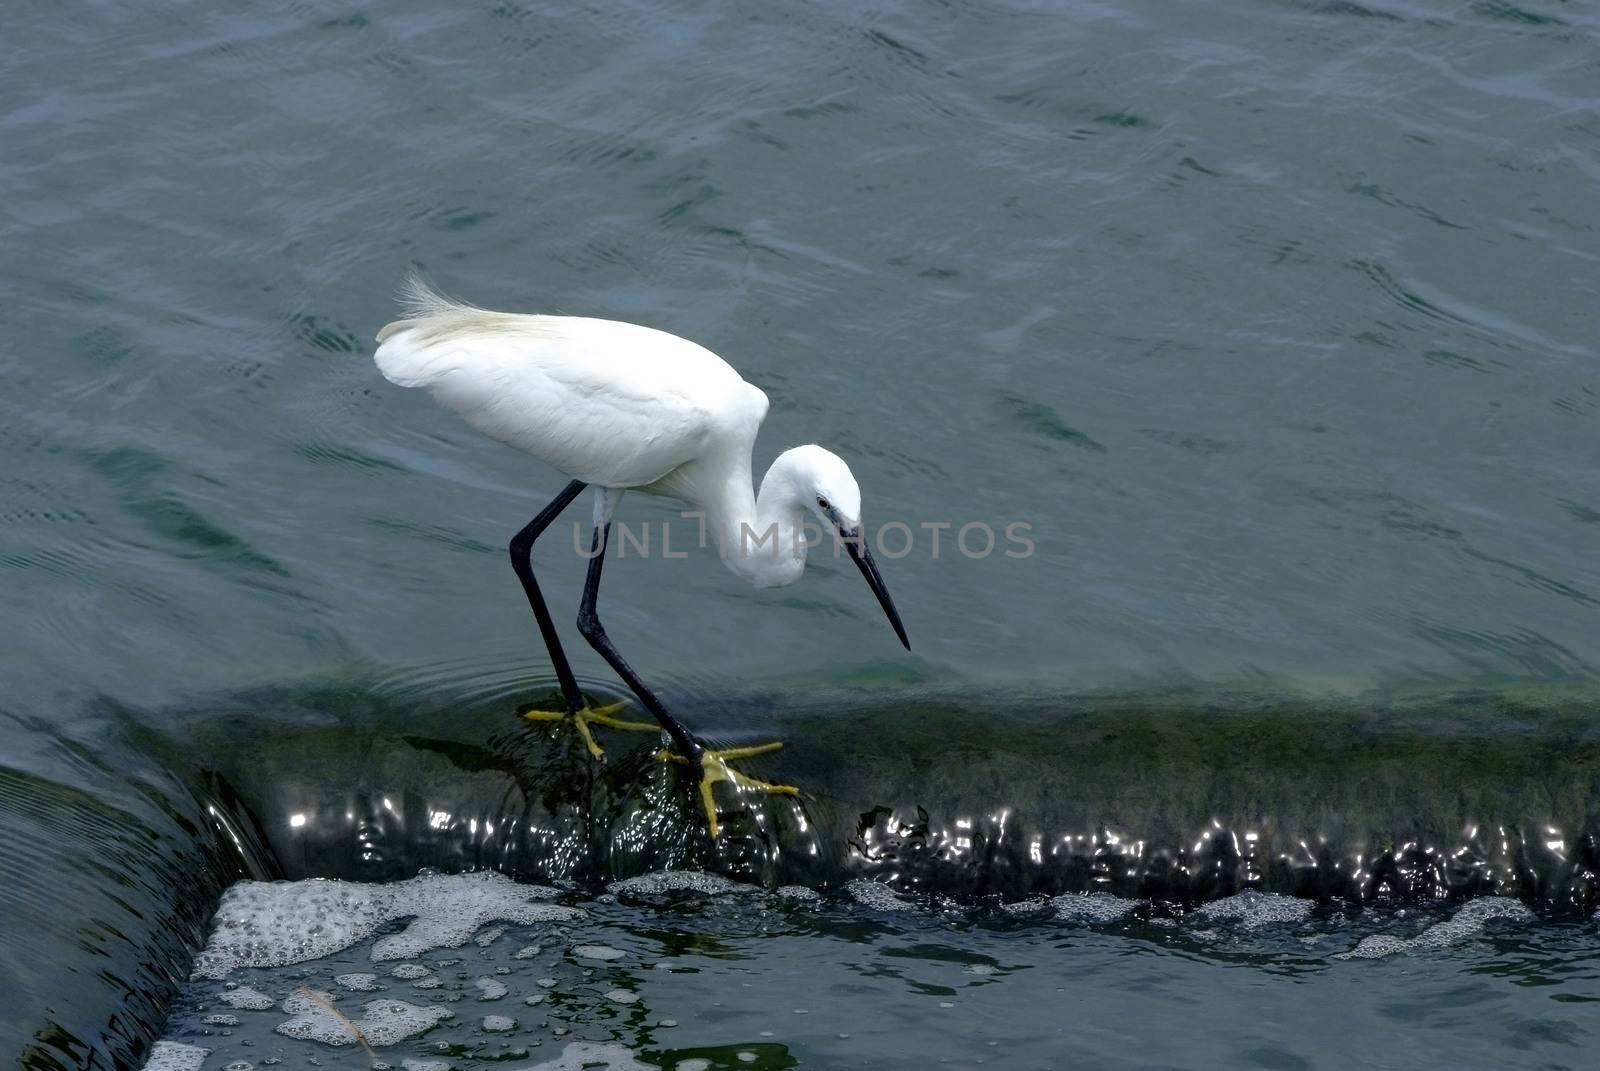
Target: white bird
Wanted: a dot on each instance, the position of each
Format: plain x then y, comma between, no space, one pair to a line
624,407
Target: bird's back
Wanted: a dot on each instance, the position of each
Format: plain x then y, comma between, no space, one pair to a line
606,402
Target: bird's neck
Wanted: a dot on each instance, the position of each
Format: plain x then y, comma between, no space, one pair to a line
762,538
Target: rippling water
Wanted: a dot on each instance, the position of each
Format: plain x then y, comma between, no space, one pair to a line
1275,321
690,974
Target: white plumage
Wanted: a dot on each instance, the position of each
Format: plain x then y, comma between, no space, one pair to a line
608,403
626,407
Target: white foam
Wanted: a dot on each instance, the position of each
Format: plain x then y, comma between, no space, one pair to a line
1467,922
382,1022
798,894
623,996
388,1021
499,1024
411,1063
489,936
1253,909
598,952
527,952
246,998
594,1056
1096,907
1033,906
175,1056
274,924
490,988
1376,947
358,983
221,1019
877,896
669,881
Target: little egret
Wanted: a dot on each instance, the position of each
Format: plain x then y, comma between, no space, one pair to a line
625,407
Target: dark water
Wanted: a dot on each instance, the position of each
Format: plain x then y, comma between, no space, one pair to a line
1275,321
685,982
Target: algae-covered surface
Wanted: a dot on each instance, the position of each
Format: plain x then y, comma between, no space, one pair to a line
1176,797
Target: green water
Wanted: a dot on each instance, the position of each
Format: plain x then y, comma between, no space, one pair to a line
1273,320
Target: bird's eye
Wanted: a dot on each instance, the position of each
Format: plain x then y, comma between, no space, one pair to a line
822,502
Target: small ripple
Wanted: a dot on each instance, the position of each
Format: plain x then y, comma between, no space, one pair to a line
1043,421
344,457
1501,11
488,679
325,335
1349,9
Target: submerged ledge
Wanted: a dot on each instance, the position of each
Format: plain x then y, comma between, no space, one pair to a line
1169,800
1173,801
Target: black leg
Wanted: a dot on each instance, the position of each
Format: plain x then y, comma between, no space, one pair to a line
593,631
522,562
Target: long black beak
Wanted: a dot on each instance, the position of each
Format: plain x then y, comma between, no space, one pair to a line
855,544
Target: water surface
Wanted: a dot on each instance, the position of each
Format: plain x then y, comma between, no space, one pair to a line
1274,320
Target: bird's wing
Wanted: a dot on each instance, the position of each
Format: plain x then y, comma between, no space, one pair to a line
605,402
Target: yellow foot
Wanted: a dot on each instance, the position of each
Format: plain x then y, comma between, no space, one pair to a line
598,715
714,767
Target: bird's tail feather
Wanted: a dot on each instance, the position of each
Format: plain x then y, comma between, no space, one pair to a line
402,357
411,350
420,300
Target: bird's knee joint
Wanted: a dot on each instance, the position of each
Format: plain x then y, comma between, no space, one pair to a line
589,625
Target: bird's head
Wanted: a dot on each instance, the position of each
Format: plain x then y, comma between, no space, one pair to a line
824,485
